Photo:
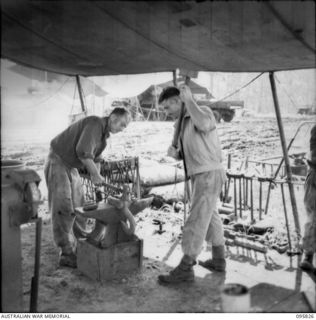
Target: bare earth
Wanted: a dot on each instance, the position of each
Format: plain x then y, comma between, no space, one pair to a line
67,290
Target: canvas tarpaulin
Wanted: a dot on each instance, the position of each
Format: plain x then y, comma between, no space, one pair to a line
127,37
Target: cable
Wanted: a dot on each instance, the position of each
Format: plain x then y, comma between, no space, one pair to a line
73,99
285,91
244,86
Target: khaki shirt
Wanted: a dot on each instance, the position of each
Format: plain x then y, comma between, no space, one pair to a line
85,138
201,145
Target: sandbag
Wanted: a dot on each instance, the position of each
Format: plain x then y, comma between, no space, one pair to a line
160,175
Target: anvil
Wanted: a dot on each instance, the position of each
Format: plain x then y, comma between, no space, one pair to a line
111,219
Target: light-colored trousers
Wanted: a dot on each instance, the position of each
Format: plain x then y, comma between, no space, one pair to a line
309,239
65,193
204,222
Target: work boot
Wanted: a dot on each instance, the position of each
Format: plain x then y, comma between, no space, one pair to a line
307,263
68,260
182,273
217,263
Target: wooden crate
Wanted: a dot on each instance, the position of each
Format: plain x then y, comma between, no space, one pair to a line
109,263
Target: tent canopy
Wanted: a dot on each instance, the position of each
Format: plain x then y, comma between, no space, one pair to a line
93,38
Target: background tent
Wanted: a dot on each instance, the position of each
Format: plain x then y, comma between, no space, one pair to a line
148,99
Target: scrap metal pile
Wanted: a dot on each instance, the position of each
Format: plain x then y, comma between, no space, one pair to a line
243,211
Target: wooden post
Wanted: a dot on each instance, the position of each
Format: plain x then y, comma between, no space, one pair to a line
285,154
83,107
35,278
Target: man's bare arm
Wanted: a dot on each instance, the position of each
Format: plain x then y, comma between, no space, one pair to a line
94,171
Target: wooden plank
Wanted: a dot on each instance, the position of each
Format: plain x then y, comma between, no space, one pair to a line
87,260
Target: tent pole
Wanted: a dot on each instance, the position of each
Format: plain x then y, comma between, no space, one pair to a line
80,93
174,77
285,154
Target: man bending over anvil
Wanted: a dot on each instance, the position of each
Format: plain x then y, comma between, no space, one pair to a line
80,145
199,145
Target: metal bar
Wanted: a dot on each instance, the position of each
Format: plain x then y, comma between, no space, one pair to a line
244,191
229,161
235,197
260,200
83,107
247,192
285,154
110,187
251,200
268,198
240,197
246,184
137,178
286,219
227,189
35,278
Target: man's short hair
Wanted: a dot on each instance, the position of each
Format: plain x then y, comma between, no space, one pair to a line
120,111
167,93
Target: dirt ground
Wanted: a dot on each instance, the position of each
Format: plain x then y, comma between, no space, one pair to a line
68,290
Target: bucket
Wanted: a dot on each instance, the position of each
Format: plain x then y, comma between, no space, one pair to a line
235,298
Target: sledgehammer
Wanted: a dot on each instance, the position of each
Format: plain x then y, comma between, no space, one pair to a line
187,75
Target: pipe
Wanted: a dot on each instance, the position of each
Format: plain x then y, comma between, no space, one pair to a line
235,197
285,154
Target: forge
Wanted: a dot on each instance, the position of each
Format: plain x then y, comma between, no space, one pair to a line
112,249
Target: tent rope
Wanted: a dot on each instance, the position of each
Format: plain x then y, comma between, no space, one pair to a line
73,100
243,87
52,95
294,104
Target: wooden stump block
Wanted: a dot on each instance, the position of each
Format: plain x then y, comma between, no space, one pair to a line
103,264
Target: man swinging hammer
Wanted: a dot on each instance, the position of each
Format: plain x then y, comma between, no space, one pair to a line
199,145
